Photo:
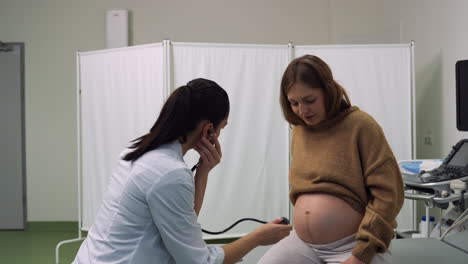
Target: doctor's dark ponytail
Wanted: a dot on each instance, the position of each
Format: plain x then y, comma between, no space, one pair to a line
186,107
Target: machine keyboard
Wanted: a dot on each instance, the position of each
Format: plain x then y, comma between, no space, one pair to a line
439,175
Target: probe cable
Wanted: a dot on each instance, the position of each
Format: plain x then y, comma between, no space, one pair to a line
233,225
285,220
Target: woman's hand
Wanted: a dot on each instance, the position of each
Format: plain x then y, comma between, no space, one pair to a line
210,153
353,260
271,232
210,156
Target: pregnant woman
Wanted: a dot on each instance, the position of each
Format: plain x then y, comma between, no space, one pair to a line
344,180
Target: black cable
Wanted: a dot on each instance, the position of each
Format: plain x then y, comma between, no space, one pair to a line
195,166
233,225
284,221
462,202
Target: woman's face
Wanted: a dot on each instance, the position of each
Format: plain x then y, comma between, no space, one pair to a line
307,103
221,126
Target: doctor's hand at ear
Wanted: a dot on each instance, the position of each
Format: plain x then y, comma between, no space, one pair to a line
353,260
210,152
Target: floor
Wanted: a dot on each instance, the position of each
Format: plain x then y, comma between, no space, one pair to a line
38,247
37,244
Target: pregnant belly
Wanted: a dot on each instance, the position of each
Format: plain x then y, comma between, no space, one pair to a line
322,218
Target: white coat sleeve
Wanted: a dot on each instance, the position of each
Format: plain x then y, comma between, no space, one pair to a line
171,203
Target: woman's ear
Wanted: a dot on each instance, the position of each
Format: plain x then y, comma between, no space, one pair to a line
211,131
208,131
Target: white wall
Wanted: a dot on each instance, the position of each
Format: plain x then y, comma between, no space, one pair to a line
364,22
353,22
54,29
439,31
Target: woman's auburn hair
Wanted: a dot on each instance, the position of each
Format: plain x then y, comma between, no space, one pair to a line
313,72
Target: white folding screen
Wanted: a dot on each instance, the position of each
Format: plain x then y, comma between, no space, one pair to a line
378,79
121,95
251,180
122,91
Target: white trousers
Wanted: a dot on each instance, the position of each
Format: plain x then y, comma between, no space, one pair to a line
293,250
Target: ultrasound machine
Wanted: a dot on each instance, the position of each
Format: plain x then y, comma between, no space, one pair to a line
440,187
444,184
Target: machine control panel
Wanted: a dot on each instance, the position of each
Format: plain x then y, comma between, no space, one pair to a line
455,165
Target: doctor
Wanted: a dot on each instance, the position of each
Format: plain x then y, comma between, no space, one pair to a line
149,213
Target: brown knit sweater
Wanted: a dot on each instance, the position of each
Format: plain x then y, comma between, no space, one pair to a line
348,156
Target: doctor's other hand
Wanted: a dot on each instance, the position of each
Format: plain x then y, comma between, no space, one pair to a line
353,260
210,153
271,233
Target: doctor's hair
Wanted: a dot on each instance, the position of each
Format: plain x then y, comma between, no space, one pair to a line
186,107
313,72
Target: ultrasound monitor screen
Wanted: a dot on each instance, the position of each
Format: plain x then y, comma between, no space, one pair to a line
460,158
461,77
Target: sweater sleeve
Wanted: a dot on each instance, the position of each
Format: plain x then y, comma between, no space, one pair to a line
384,186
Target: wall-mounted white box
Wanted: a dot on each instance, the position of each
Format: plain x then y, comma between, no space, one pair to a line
116,28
